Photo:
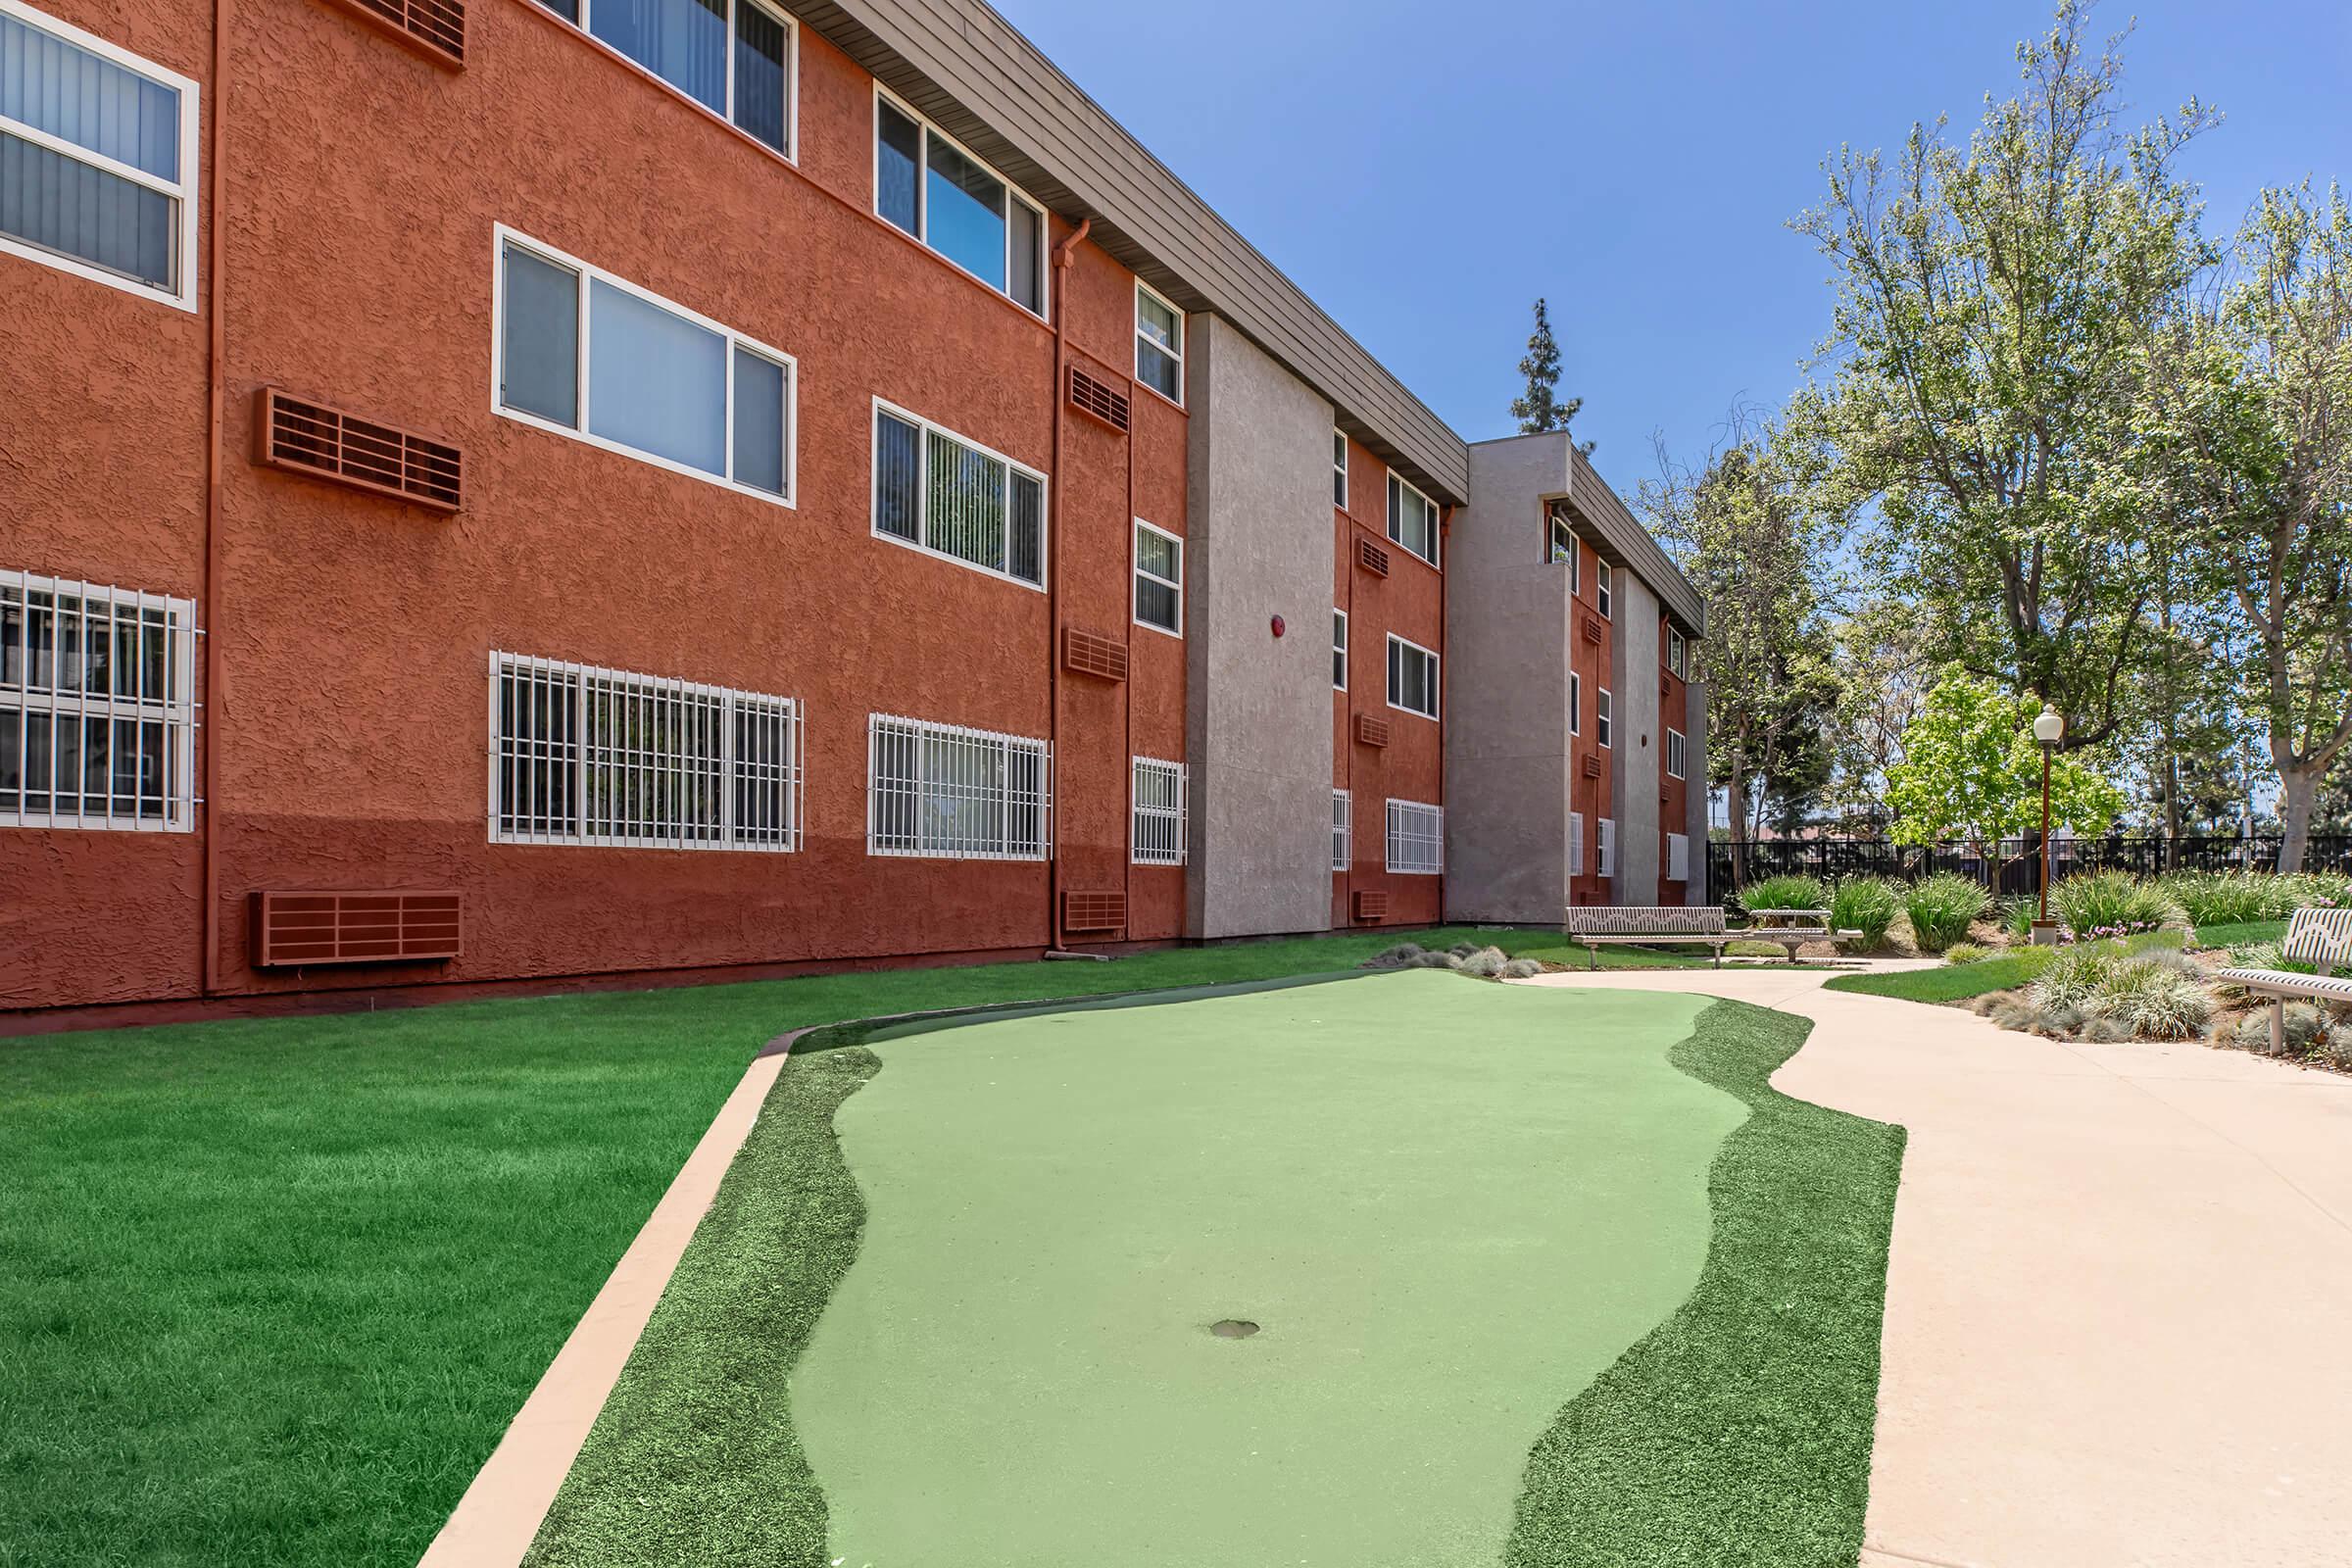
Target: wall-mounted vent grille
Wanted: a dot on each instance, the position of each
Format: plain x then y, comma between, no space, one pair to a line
1372,558
435,28
1093,911
1591,765
302,437
1090,396
1591,628
1371,905
1370,731
367,926
1086,653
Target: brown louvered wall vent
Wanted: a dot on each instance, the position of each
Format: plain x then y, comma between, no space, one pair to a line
1591,765
1372,558
435,28
1090,396
304,437
1591,628
1085,653
362,926
1371,905
1095,911
1370,731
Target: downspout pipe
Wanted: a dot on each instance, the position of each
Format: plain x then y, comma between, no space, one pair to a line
209,611
1055,513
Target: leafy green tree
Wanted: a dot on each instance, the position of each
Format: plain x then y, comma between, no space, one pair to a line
2246,431
1972,770
1541,408
1992,301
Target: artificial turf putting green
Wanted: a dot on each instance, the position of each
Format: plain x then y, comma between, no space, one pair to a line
1735,1431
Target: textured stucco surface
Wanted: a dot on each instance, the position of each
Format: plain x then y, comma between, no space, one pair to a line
1259,500
1640,748
1694,807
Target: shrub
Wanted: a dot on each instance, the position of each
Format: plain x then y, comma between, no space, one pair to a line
2110,903
1396,957
1781,892
2156,1000
2074,976
1485,962
2306,1029
1867,905
1966,952
2016,915
2240,897
1464,950
1521,969
1941,910
2107,1031
1433,960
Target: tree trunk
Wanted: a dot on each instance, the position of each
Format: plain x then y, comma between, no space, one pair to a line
1736,807
2298,787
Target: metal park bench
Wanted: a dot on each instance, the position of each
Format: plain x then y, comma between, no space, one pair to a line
2322,937
1649,924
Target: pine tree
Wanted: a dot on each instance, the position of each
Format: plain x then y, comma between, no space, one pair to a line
1541,408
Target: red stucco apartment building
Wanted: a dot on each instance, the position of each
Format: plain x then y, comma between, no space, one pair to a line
544,489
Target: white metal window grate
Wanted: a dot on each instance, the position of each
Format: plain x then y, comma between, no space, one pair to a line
1576,844
1342,830
1416,838
1678,858
1159,805
615,760
97,706
949,792
1609,846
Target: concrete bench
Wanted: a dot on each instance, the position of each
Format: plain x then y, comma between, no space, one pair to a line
2320,937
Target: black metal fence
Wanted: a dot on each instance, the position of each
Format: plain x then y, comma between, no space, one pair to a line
2015,867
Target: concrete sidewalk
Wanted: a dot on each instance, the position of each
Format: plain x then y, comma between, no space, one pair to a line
2116,1295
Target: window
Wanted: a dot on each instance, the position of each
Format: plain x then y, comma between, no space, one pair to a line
733,57
1576,703
929,186
1342,830
949,792
97,159
1577,865
97,706
1158,579
1562,550
1675,747
1338,469
1602,577
1158,830
1678,858
1339,650
1609,846
1603,711
1416,838
1678,654
603,756
586,354
940,493
1158,345
1412,678
1412,519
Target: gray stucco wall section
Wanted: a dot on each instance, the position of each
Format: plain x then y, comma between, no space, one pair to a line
1508,646
1696,701
1638,759
1257,719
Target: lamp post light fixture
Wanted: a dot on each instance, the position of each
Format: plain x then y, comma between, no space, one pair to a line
2049,728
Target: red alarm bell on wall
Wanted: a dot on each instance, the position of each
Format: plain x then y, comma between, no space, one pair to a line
1278,626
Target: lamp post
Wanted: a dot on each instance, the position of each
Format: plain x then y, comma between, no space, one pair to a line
2049,727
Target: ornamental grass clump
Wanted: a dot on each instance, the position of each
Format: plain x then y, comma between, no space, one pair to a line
2306,1029
1966,952
1942,908
2156,1000
2110,903
1781,892
2241,897
1865,903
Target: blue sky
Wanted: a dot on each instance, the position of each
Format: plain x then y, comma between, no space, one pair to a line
1425,173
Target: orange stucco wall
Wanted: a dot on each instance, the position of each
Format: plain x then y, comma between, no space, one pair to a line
362,185
1596,662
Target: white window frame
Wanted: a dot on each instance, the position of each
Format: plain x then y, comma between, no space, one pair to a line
1609,846
1431,836
1436,665
1136,563
926,847
1603,582
1342,830
1576,703
1578,861
1605,718
1392,491
175,708
1167,823
1182,331
1677,856
1339,648
1339,467
585,389
1678,654
922,205
1677,763
873,501
1574,561
648,774
789,152
182,192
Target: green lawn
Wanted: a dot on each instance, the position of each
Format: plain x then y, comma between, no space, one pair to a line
1523,1299
273,1288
